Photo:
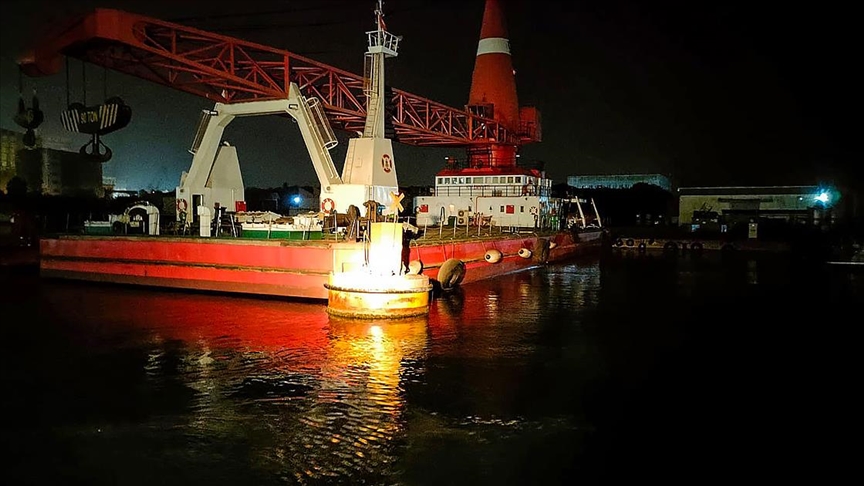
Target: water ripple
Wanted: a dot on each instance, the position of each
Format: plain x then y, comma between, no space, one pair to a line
504,381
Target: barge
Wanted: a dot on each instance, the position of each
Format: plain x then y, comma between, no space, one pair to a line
487,217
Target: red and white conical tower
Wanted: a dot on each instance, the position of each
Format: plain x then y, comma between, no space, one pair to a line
493,88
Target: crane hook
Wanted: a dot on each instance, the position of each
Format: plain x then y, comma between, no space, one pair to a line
93,150
29,119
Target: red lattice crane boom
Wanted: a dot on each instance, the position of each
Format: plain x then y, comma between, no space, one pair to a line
225,69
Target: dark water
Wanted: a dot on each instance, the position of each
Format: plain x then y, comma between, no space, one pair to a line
634,368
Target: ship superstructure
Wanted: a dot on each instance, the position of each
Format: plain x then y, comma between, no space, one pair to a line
489,185
504,196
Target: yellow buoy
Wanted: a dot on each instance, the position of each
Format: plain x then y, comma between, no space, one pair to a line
360,295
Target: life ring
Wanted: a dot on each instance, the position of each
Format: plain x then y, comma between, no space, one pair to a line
533,210
619,242
328,205
451,273
630,242
182,205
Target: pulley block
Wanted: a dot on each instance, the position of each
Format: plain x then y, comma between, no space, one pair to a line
110,116
96,150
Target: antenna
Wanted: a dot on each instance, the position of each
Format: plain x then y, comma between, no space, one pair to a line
379,17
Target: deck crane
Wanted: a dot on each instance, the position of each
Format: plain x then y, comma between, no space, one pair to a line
215,173
230,71
215,178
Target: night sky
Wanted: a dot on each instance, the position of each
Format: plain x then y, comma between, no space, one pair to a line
710,93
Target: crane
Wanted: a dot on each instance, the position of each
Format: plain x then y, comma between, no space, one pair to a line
229,70
246,79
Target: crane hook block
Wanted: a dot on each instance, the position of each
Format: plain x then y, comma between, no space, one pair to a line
96,150
29,119
97,120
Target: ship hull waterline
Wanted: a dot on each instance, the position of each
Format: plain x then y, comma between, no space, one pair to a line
286,269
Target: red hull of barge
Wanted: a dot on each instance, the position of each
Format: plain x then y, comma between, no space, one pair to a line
472,253
272,267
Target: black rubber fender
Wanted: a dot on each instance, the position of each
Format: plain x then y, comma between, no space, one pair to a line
541,253
451,273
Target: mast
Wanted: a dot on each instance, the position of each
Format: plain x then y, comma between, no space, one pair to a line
369,173
382,45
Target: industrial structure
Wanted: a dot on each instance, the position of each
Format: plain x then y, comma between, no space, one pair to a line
734,205
618,181
49,168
